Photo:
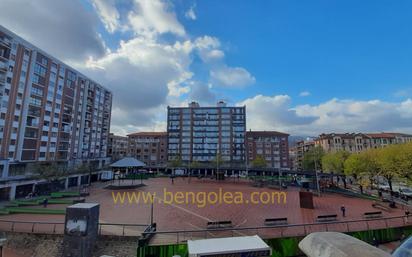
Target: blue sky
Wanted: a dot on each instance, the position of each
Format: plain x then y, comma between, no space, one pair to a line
344,49
303,67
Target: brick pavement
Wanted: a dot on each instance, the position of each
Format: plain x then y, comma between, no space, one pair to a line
191,217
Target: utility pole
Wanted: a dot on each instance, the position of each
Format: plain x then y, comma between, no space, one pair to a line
151,211
316,173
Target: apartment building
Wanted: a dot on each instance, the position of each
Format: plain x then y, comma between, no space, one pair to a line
48,110
299,151
383,139
117,147
201,134
149,147
271,145
357,142
350,142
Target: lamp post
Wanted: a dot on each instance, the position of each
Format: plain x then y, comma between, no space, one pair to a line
2,242
316,174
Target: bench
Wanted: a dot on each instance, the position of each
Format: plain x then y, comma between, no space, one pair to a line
219,224
380,206
372,215
326,218
276,221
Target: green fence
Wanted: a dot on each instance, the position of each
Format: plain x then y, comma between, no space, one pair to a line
281,247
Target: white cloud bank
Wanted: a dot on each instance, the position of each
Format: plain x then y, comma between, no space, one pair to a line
335,115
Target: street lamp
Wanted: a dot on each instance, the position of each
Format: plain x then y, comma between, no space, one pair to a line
316,174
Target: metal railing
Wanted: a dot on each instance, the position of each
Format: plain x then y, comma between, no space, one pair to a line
288,230
179,236
47,227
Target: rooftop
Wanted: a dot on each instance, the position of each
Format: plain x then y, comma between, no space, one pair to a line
265,133
226,245
148,134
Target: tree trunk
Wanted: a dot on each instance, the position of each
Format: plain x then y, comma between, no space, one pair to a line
344,181
390,184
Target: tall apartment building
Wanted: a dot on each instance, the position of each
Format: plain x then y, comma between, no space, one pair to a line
48,110
202,133
117,147
149,147
271,145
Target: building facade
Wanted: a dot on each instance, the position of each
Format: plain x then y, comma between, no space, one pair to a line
350,142
149,147
117,147
299,150
271,145
48,110
357,142
383,139
202,134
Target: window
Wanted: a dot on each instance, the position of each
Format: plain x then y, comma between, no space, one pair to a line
35,101
41,59
37,91
40,70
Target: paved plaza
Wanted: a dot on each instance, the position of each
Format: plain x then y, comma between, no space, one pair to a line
190,216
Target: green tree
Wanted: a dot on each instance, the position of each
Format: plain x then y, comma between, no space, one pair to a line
259,162
391,163
406,161
313,159
176,163
218,161
334,163
362,167
49,171
195,165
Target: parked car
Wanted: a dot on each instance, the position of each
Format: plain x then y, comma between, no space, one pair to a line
406,193
106,175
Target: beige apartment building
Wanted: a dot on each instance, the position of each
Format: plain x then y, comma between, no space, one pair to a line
357,142
299,151
117,147
148,147
350,142
383,139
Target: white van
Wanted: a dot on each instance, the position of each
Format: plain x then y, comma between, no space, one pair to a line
106,175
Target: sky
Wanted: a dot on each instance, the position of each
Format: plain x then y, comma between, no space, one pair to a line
300,67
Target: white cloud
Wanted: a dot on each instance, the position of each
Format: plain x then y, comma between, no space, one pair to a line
304,93
208,49
140,71
62,28
231,76
190,14
201,93
335,115
152,17
146,72
108,14
405,92
272,113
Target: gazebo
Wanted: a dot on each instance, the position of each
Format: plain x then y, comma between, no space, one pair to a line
126,165
123,167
